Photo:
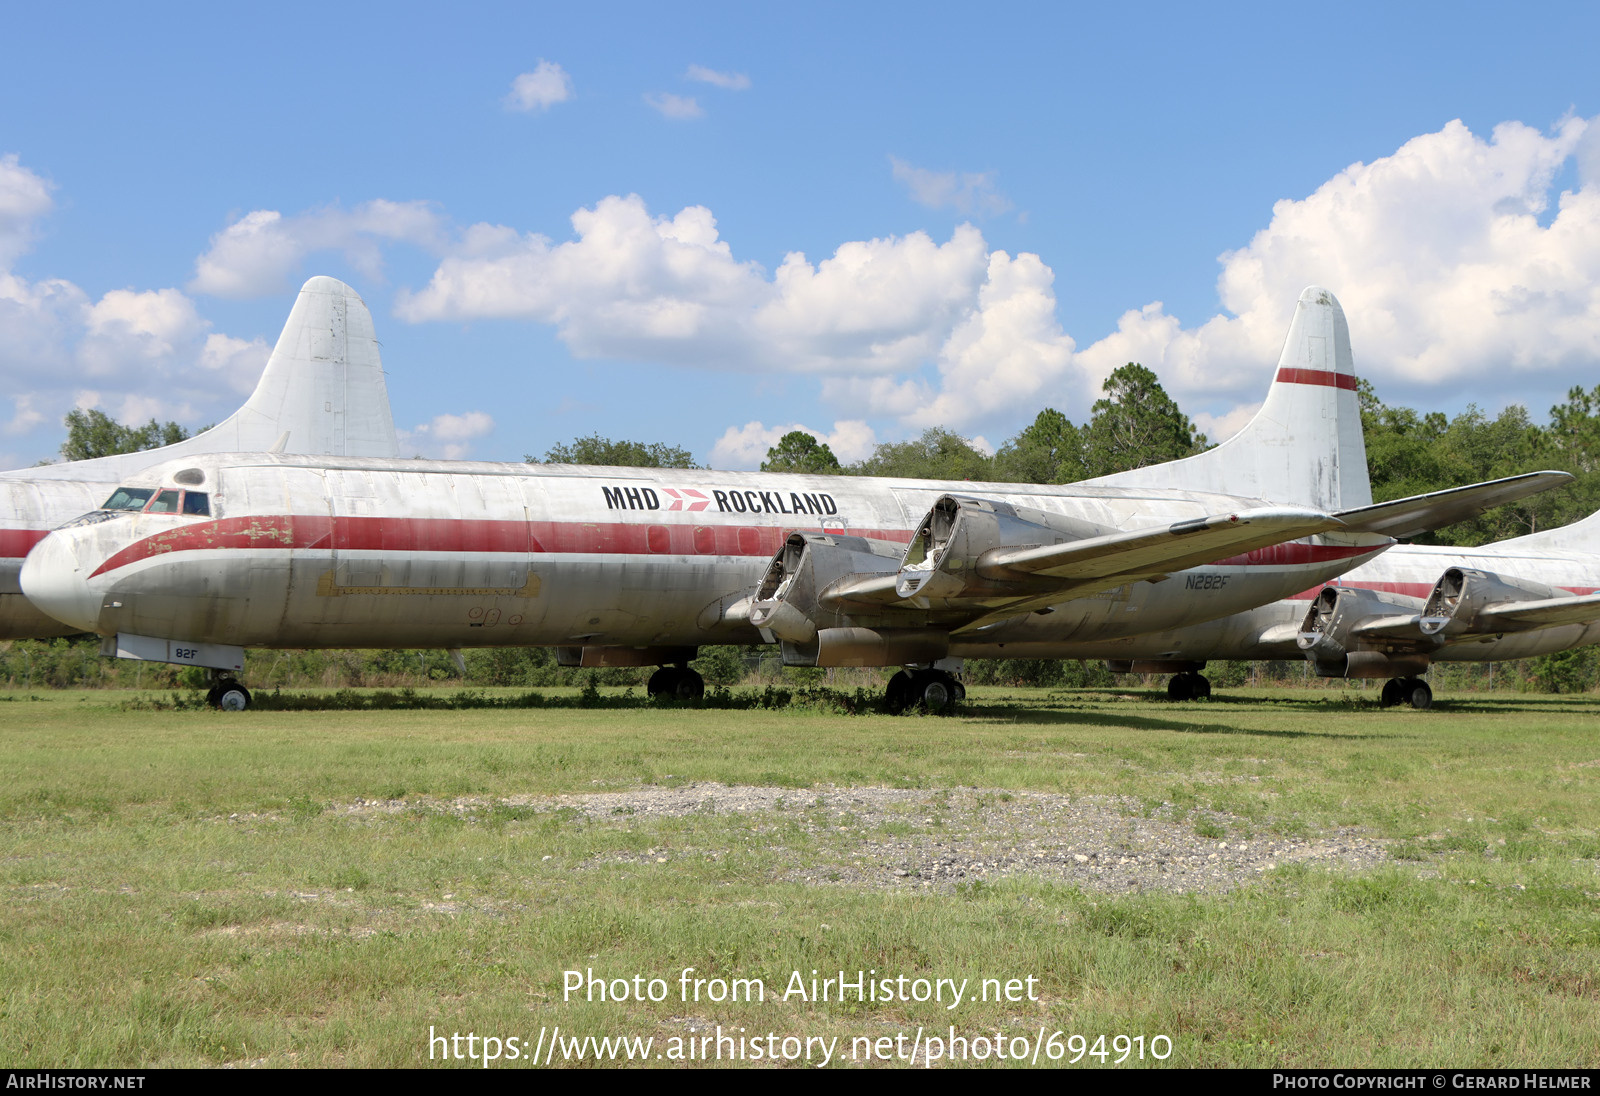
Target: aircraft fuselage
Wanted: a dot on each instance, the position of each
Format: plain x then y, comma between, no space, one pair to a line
1406,573
298,552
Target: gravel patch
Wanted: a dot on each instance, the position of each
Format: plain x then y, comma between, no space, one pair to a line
922,839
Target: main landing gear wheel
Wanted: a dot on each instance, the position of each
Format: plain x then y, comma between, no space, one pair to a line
676,683
1407,690
1188,686
229,696
935,690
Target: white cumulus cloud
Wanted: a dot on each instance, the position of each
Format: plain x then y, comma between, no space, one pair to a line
541,89
24,416
746,446
967,193
238,363
448,437
680,108
638,287
126,329
1455,263
1458,264
1219,428
261,252
24,199
137,354
730,81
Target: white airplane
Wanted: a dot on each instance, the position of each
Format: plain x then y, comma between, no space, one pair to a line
1394,616
619,566
322,392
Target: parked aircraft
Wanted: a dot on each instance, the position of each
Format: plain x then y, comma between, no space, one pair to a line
1395,615
322,392
195,559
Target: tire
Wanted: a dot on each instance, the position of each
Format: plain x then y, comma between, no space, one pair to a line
899,694
232,697
1180,688
688,685
936,691
663,682
1202,687
1393,693
1418,695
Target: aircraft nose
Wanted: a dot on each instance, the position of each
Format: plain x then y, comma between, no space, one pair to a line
52,579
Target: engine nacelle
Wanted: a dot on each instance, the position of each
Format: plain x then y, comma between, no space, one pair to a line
1462,593
1381,664
869,647
786,602
1153,666
590,657
1326,634
945,556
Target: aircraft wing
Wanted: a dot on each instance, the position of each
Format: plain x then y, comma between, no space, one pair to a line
1422,513
1145,552
1523,616
1401,627
1419,631
1054,572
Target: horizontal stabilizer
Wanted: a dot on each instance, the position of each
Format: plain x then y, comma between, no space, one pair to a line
1408,517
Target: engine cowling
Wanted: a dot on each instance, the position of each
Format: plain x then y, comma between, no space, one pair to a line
1327,635
945,558
1462,593
787,604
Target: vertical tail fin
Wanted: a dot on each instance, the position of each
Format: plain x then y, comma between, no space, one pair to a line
323,385
1582,535
1304,446
322,393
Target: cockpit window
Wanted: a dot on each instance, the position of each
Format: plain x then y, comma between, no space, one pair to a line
129,498
165,503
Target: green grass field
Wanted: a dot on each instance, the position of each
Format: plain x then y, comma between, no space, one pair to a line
317,888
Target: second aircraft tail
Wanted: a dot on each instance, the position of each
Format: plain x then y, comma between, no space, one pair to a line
1304,447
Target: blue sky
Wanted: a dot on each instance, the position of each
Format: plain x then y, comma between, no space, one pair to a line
995,206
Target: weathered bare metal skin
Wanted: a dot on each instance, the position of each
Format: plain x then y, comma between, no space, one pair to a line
311,552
